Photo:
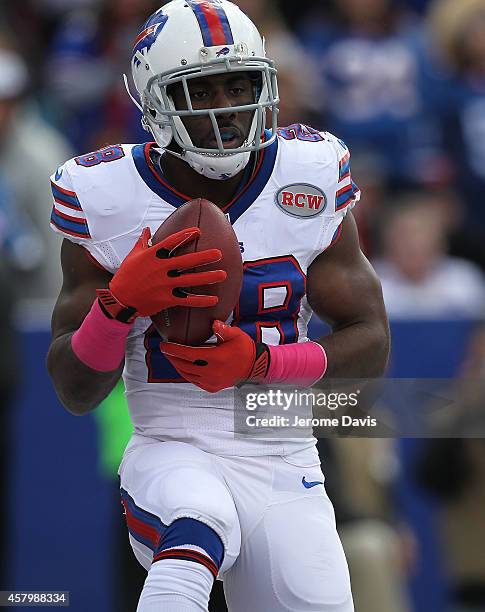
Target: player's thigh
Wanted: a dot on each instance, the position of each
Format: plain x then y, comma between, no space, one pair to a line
165,481
293,560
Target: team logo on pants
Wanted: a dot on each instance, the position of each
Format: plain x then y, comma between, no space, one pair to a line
301,200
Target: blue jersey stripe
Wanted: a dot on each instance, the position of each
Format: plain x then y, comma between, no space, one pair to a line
152,177
69,199
344,169
77,228
258,183
344,198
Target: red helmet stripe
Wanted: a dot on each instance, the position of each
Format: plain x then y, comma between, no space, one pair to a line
213,22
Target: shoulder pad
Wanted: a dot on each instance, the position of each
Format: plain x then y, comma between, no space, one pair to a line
99,196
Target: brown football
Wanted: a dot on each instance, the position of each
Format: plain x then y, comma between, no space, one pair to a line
193,326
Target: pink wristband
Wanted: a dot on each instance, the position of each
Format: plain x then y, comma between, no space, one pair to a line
301,363
100,342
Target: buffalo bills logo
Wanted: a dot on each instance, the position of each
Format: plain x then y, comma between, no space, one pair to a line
149,34
223,51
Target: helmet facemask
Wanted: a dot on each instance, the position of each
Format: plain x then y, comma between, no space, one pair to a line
165,121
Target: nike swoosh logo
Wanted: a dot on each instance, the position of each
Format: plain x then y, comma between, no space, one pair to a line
309,485
58,174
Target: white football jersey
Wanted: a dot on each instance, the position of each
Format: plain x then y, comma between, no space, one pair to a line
284,217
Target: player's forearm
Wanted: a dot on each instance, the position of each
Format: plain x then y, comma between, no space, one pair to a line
79,388
85,365
360,350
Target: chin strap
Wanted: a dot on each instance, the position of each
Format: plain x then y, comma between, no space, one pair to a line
252,158
173,153
144,123
201,164
217,168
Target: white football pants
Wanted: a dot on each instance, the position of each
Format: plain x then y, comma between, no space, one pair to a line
281,550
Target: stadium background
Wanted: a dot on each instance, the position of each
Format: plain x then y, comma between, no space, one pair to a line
403,83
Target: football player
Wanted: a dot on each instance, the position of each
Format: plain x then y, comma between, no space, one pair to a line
202,502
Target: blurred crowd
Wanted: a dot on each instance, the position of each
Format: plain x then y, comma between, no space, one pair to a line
402,82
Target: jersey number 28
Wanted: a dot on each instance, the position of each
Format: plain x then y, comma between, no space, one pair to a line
267,310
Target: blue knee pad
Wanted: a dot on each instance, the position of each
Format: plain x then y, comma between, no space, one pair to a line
185,538
191,540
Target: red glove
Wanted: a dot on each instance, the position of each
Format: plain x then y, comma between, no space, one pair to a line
150,279
234,359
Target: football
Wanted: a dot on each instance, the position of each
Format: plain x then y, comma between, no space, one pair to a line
193,326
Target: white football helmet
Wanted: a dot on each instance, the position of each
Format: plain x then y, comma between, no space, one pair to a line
187,39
